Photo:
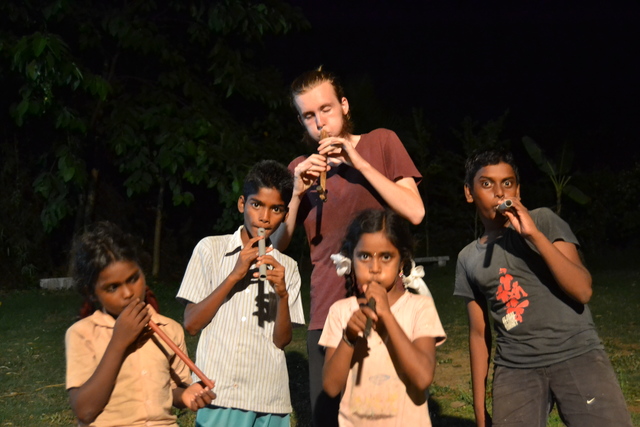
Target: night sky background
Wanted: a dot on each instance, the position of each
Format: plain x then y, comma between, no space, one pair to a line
566,71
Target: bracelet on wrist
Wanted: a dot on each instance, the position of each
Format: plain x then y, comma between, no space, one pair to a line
346,339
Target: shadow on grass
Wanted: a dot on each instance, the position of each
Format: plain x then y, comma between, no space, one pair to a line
299,386
439,420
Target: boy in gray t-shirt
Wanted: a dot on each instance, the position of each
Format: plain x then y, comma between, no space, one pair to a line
525,272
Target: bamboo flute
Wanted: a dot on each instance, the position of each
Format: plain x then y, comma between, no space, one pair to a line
262,251
367,327
322,188
181,354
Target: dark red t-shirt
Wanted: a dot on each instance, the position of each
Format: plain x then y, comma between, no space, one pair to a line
348,192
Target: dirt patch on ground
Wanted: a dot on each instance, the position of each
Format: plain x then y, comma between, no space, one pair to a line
453,368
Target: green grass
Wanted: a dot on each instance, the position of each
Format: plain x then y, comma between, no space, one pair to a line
33,323
615,306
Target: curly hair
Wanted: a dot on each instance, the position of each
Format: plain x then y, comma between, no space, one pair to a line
102,245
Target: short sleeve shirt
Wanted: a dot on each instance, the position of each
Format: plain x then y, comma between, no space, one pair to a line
537,324
374,394
236,348
348,192
143,391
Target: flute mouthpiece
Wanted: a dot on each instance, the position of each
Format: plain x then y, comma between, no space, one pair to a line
322,188
505,205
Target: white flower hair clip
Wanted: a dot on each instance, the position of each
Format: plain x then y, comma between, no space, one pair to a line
343,264
414,280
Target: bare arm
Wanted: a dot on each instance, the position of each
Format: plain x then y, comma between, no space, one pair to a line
408,357
304,175
339,360
480,357
337,363
283,234
90,399
402,196
193,396
198,315
283,329
562,258
415,361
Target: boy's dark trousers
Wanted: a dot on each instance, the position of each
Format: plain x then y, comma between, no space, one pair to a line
584,388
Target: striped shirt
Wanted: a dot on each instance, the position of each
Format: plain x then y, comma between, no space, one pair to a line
236,348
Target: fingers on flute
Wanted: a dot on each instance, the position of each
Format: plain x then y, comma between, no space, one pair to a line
206,397
201,398
147,317
269,260
315,163
368,313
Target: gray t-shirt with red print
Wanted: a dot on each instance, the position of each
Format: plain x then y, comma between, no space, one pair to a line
537,324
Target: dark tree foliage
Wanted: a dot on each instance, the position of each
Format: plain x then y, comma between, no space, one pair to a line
149,113
110,108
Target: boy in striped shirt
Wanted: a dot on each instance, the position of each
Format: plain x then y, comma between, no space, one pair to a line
246,322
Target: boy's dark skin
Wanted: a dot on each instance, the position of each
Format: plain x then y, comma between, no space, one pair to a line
491,185
265,209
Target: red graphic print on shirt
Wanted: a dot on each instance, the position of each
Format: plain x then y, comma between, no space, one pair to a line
511,294
513,306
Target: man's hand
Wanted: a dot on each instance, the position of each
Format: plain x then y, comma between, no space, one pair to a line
305,174
340,150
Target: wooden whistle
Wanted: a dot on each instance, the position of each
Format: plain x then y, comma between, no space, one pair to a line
367,327
322,188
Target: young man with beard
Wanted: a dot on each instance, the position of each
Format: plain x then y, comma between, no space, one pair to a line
371,170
